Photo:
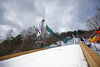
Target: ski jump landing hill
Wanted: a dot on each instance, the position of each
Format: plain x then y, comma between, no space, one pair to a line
74,55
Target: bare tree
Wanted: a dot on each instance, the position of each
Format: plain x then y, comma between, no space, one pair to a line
9,34
94,22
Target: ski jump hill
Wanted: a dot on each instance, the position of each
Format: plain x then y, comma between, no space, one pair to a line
75,55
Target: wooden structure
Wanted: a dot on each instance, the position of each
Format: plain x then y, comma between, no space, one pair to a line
92,58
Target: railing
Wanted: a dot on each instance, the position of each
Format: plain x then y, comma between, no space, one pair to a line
92,58
18,54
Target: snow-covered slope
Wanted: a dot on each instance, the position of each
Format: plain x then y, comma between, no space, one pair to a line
64,56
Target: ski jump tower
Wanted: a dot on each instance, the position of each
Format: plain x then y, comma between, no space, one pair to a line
43,30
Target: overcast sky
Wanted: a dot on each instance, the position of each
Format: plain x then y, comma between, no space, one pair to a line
60,15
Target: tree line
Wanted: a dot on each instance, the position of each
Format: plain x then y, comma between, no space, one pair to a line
29,40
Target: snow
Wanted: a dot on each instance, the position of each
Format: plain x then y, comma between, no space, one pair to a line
64,56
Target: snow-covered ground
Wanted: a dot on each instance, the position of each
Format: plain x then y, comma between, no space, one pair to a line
64,56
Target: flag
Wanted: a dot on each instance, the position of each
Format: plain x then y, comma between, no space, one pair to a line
40,27
92,39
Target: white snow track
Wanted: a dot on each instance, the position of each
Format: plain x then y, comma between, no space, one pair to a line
64,56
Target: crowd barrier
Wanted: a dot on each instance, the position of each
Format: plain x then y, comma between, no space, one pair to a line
93,59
